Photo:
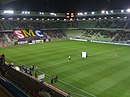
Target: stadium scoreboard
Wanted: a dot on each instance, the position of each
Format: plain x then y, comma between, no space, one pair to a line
70,15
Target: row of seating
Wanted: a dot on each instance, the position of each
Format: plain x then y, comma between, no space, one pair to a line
107,35
39,24
11,88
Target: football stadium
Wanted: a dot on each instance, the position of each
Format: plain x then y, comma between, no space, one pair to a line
69,54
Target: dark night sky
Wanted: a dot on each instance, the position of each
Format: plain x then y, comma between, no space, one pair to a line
67,5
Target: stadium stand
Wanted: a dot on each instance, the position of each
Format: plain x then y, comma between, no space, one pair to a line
11,88
106,30
28,83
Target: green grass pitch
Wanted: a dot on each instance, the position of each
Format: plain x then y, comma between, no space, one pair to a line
105,73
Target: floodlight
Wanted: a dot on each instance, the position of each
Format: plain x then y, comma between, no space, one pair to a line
105,18
24,18
31,18
71,19
37,18
18,18
111,11
93,12
80,13
103,11
122,11
67,13
10,18
22,12
85,13
128,10
8,12
53,14
28,12
107,12
83,19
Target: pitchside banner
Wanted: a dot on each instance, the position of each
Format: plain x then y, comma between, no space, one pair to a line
28,33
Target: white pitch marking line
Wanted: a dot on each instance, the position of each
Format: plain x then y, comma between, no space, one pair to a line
73,87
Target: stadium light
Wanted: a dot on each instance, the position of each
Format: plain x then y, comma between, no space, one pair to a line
24,18
67,13
28,12
111,11
85,13
54,14
103,11
18,18
83,19
10,18
8,12
25,12
41,13
31,18
92,12
105,17
107,12
22,12
128,10
37,19
89,18
122,11
80,14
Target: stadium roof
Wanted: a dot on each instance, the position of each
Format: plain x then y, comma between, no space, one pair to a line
65,5
6,1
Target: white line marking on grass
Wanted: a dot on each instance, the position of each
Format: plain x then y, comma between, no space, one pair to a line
77,88
78,94
106,51
14,60
71,86
59,63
